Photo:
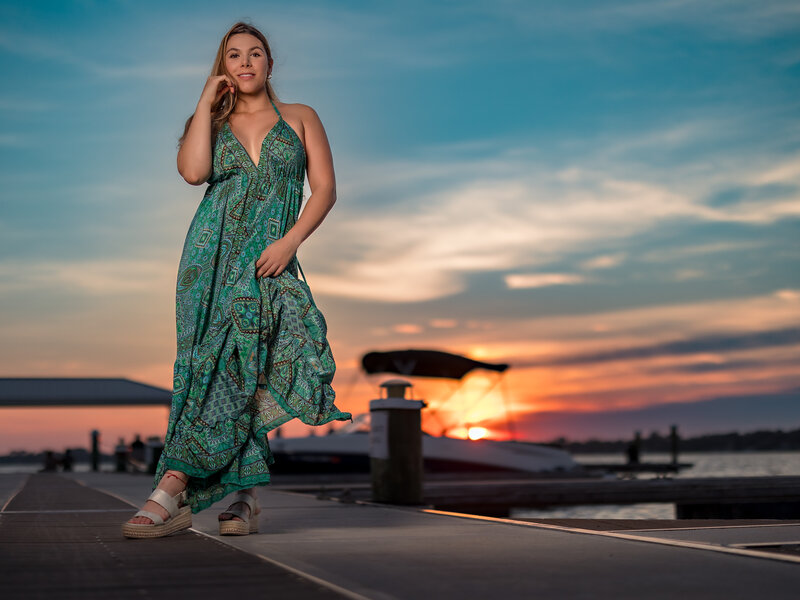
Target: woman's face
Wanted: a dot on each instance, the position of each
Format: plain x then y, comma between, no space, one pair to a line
246,60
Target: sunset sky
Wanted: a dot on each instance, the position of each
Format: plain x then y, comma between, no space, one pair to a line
603,194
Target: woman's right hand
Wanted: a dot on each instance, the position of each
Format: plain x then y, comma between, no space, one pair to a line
216,87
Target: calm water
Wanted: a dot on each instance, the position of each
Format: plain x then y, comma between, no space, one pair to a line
706,464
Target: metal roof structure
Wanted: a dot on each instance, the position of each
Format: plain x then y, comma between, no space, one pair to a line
79,391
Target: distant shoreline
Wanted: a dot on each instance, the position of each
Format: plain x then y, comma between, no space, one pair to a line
754,441
716,442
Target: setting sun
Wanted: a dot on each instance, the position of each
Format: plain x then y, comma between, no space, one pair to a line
476,433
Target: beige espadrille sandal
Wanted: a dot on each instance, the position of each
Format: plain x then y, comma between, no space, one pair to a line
248,524
180,517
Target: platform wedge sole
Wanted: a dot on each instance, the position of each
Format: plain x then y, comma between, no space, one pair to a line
181,521
248,523
178,519
234,527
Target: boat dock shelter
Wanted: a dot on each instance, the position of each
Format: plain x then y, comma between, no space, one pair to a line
60,538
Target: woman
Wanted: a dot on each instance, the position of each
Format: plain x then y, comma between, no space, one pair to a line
252,348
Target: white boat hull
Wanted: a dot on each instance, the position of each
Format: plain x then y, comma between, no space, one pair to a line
351,452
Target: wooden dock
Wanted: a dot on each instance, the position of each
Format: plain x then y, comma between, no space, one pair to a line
720,497
60,538
696,497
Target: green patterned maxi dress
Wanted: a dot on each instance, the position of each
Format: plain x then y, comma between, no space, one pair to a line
252,352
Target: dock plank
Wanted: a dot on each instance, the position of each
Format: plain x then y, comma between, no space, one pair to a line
60,539
698,497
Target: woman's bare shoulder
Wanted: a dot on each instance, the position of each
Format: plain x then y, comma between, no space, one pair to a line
302,112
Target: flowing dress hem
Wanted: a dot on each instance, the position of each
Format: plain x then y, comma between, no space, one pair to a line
230,482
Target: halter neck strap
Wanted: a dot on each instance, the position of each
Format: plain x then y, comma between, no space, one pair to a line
276,109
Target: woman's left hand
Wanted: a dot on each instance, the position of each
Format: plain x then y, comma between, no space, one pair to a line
275,258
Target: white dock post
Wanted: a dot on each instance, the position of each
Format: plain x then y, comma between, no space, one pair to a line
395,446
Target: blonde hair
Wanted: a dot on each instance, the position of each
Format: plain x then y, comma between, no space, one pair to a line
225,105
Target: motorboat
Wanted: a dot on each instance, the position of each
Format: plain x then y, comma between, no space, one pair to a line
347,448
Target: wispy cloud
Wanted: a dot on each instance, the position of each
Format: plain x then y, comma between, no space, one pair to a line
720,342
606,261
712,17
695,250
99,277
511,212
45,50
533,280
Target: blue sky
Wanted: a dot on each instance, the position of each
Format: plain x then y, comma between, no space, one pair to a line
519,181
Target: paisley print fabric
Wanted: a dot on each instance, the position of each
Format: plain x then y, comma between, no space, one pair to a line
252,352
